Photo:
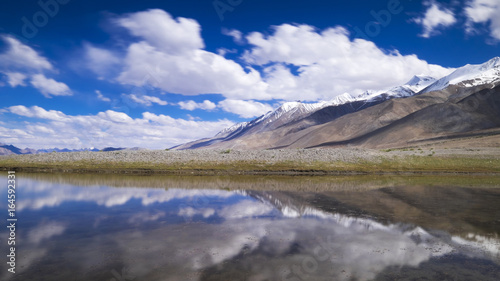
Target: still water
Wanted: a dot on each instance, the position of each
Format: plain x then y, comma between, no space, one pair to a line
91,227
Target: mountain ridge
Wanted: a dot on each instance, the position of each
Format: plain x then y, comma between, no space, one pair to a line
290,124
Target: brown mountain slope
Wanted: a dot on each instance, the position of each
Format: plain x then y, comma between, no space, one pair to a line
467,111
303,133
454,111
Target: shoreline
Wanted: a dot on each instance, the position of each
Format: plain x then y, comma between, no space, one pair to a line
292,162
208,172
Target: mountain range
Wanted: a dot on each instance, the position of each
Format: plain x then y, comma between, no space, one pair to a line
465,103
6,149
462,105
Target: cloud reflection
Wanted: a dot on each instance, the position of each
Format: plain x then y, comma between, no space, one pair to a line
264,238
39,194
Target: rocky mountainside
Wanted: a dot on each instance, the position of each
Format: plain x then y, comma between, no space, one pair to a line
464,102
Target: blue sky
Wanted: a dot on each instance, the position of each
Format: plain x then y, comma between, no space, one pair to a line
159,73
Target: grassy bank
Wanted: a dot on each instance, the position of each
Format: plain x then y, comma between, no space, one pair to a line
381,165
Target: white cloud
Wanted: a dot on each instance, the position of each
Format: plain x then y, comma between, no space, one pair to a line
40,129
199,73
298,61
101,97
170,57
109,128
328,63
160,30
48,86
192,105
115,117
483,12
37,112
235,34
21,57
434,18
245,109
145,100
100,61
16,79
19,62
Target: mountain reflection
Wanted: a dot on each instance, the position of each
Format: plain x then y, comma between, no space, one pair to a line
97,232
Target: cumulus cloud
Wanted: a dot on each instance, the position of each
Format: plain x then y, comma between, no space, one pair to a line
49,87
37,112
171,55
245,109
200,72
434,18
483,12
192,105
145,100
109,128
328,63
160,30
294,61
16,79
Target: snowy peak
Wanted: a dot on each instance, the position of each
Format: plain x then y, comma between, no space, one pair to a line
469,76
290,110
410,88
294,106
228,131
421,81
342,99
493,63
287,112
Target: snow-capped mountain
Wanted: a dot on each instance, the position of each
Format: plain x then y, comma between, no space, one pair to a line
346,119
233,129
469,76
297,108
11,150
55,149
290,111
416,84
287,112
420,82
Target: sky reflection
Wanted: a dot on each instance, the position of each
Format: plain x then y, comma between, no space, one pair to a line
70,232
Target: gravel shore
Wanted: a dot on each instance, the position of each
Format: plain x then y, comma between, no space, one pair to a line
264,156
216,156
285,161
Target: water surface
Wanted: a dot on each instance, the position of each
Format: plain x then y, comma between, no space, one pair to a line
91,227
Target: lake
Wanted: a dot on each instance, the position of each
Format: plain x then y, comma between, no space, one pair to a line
118,227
